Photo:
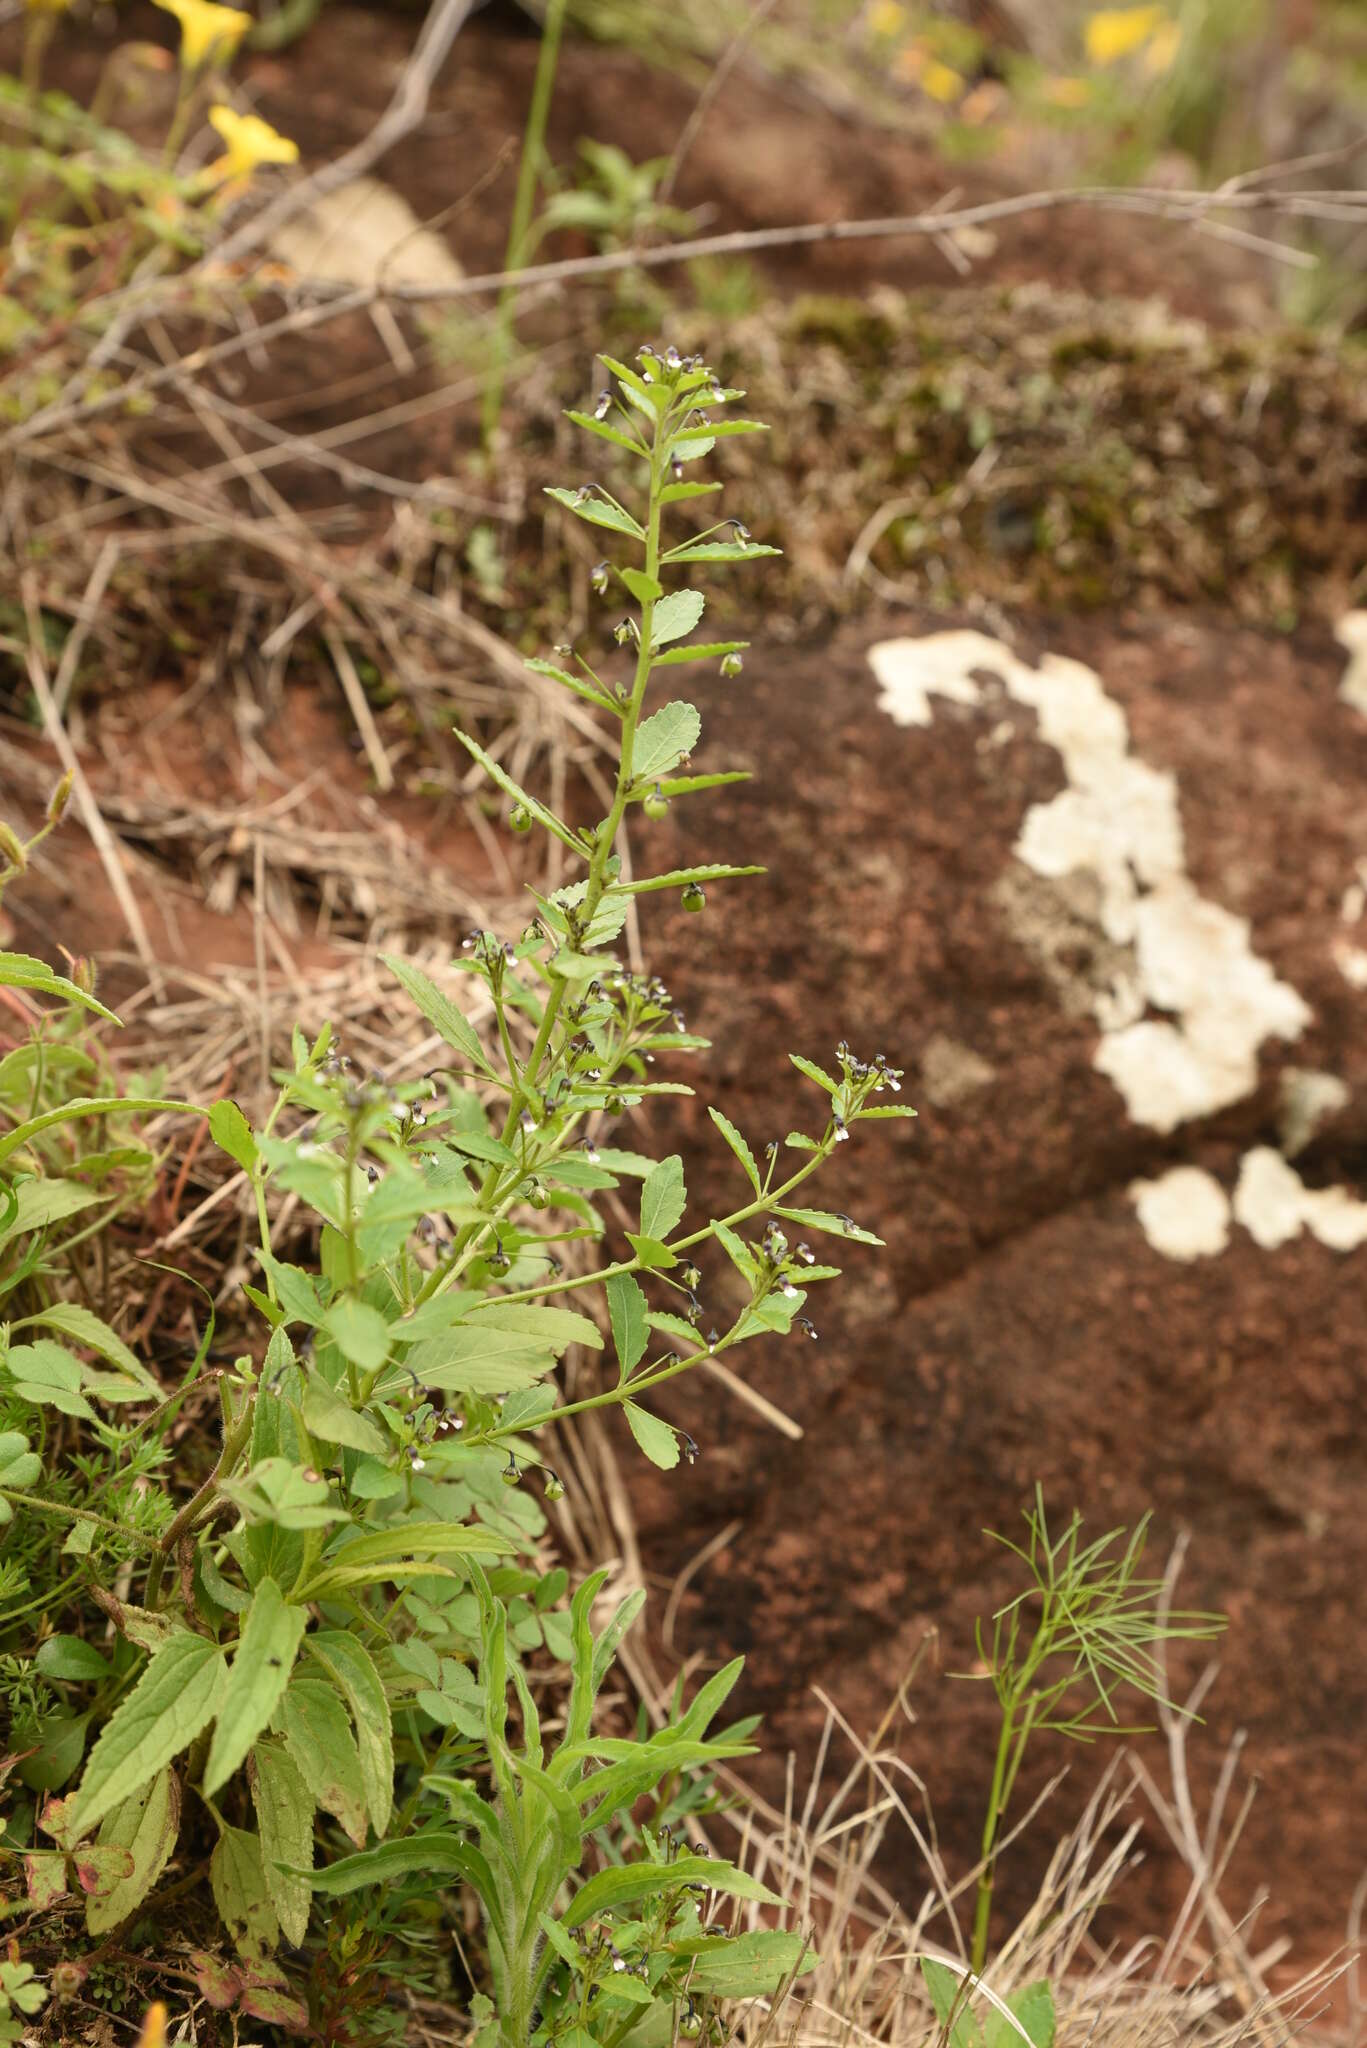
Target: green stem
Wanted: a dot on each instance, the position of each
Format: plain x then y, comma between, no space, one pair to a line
70,1514
524,199
996,1807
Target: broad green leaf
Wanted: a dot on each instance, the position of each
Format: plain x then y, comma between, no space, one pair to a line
348,1663
547,819
656,1438
664,739
21,970
698,650
676,615
627,1314
738,1146
19,1467
643,588
83,1326
50,1201
748,1965
479,1145
822,1219
1032,2008
176,1696
555,1328
317,1732
261,1667
662,1197
146,1825
71,1658
239,1887
441,1013
597,511
232,1134
360,1333
284,1815
654,1256
332,1418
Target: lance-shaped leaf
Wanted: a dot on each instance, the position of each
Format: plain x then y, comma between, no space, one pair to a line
627,1314
822,1219
545,818
604,433
738,1146
720,551
700,650
679,878
176,1697
317,1732
262,1662
441,1013
348,1663
662,1197
240,1893
284,1814
597,511
21,970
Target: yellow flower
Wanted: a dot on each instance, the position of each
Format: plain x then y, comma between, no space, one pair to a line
940,82
887,18
1164,44
206,30
1119,31
153,2033
251,142
47,6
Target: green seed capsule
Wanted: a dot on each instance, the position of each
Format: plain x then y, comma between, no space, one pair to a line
510,1475
520,818
656,804
692,897
731,666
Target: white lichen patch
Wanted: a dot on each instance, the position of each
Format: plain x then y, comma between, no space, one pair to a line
1351,633
1274,1205
1117,822
1184,1214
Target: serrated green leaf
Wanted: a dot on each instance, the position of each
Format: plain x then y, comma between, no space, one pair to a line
232,1133
284,1815
596,511
659,1442
348,1663
441,1013
317,1732
627,1314
663,1198
674,494
175,1698
879,1110
676,615
21,970
260,1671
738,1146
663,739
670,1325
580,687
239,1887
146,1826
553,1328
684,785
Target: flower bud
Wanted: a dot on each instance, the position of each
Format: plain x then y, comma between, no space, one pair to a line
57,802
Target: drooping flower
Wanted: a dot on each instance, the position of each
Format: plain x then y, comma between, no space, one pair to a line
250,142
207,30
1118,32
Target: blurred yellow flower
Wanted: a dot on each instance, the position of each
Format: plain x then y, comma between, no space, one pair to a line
941,82
153,2033
887,18
206,29
1067,92
1118,32
1164,44
47,6
251,142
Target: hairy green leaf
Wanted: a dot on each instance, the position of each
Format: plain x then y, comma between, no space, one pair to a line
261,1666
441,1013
175,1698
284,1815
145,1825
348,1663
